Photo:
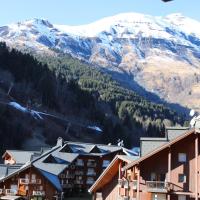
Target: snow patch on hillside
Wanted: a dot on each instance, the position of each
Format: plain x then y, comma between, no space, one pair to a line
34,114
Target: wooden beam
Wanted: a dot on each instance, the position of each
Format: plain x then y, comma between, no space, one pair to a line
138,184
196,164
169,169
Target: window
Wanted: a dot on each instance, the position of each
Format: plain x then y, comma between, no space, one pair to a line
153,176
62,175
106,163
79,178
91,171
90,181
181,197
182,157
91,163
181,178
41,187
79,162
33,176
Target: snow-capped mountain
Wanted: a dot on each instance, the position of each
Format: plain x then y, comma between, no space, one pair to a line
161,54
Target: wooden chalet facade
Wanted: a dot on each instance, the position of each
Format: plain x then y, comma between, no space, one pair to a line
68,169
169,172
106,187
28,183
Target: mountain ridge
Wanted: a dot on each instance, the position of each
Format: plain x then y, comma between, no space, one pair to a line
152,51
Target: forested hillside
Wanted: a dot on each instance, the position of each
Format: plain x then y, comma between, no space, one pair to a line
70,89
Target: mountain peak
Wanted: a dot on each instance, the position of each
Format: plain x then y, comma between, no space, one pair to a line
38,21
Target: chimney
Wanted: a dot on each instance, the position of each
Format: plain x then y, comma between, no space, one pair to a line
60,142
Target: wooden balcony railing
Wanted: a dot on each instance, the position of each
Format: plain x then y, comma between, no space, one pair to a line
133,184
157,186
80,182
1,191
67,185
80,164
26,181
91,173
70,176
128,184
10,192
89,182
79,172
91,164
38,193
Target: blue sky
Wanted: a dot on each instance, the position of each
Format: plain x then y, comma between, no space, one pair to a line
76,12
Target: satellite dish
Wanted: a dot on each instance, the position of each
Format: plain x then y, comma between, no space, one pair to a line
192,112
195,119
192,122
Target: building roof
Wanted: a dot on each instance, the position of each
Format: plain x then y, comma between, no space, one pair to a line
148,144
6,170
20,157
86,148
53,162
167,145
153,139
110,171
51,167
173,132
52,178
66,157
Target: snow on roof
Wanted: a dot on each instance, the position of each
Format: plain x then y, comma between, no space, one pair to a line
21,157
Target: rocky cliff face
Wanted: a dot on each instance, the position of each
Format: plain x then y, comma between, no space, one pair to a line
160,54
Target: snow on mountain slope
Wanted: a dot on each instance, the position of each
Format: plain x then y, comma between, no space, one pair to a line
160,54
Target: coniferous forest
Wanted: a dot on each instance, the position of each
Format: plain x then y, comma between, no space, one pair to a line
74,90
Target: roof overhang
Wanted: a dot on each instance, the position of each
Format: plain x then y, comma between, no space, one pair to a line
106,176
109,173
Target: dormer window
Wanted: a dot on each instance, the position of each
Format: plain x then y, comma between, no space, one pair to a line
182,157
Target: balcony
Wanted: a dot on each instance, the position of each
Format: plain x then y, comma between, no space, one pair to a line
79,173
91,173
89,182
157,186
25,181
133,184
10,192
79,163
38,193
91,164
99,196
69,176
68,185
79,182
127,184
